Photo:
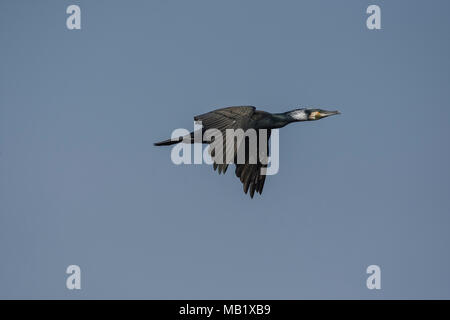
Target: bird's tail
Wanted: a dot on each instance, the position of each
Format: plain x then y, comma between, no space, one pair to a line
189,138
168,142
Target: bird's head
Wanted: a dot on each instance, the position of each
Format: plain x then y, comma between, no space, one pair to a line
310,114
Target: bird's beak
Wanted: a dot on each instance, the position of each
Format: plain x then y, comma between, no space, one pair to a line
325,113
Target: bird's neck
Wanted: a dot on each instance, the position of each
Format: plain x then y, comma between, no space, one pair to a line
279,120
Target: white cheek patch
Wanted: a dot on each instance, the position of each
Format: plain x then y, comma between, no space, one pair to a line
299,115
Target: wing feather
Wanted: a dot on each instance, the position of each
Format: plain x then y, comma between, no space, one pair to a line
234,118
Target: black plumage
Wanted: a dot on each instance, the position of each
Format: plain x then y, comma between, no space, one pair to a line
251,171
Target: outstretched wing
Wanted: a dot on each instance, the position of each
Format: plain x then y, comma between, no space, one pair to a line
251,172
226,118
252,175
221,120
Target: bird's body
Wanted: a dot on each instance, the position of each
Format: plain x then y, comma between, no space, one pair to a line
245,118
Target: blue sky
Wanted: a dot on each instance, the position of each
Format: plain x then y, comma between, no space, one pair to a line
81,182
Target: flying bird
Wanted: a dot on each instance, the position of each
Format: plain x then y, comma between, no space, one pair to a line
245,118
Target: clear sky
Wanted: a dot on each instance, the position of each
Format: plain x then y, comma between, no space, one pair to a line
81,182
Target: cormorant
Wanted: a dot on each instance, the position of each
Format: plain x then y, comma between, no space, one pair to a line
247,117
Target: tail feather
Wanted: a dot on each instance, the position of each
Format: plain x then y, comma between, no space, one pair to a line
168,142
189,138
